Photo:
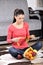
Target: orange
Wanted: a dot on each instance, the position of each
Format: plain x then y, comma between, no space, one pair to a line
31,58
27,54
27,57
30,55
18,44
30,52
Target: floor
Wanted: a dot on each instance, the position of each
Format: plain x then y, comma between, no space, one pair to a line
3,50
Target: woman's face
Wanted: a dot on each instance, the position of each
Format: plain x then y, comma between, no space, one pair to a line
19,18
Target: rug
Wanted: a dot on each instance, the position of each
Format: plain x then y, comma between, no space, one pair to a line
8,59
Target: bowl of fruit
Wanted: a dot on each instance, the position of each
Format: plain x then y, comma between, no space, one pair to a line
30,53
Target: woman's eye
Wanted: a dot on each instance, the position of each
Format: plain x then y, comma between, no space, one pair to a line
19,18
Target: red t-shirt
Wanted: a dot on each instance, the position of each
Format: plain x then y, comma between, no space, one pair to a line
14,32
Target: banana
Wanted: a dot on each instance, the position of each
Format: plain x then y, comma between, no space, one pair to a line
35,50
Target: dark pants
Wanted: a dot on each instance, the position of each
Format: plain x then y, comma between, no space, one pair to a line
14,52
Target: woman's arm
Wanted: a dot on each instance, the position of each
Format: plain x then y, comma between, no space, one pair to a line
10,39
27,32
17,39
9,35
28,36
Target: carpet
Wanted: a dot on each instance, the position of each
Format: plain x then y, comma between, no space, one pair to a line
8,59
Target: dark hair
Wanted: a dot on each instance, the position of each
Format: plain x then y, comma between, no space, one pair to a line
17,12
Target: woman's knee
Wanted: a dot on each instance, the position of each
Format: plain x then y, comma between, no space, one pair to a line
37,45
13,52
40,44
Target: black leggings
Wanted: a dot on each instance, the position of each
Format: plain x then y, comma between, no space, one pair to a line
14,52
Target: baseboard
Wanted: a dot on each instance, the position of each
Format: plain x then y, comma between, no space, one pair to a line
36,32
3,38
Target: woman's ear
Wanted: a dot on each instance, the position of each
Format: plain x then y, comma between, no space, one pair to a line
15,17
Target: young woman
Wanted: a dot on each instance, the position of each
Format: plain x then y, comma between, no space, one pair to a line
18,34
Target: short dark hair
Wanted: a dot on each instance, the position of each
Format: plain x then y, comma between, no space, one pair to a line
17,12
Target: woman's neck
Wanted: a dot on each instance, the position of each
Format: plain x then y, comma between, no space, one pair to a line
18,23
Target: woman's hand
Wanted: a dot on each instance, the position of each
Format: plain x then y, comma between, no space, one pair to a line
32,37
17,39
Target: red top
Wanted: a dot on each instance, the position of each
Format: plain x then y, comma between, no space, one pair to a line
14,32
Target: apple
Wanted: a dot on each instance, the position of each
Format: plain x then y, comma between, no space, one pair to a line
33,54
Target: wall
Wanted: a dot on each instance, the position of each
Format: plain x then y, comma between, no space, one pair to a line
32,3
35,4
40,3
7,8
